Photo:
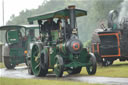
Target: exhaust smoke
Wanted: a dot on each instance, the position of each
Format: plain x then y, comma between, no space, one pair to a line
124,10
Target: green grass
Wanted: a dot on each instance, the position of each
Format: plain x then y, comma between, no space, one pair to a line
12,81
118,69
2,65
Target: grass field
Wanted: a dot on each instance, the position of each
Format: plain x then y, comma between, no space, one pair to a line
12,81
118,69
2,65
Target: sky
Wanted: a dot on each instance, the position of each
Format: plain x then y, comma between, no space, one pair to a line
16,6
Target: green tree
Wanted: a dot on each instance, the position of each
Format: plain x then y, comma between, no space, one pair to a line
97,12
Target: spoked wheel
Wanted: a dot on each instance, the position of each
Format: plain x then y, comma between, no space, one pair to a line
29,68
7,62
74,70
107,62
37,60
59,66
91,69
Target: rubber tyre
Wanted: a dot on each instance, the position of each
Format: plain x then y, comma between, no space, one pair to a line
92,69
7,63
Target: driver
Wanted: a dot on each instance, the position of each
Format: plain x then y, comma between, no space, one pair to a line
49,25
32,34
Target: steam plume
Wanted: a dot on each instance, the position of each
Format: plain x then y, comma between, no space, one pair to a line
124,10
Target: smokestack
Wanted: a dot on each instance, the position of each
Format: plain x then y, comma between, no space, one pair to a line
72,16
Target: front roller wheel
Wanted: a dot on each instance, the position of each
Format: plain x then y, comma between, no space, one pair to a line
91,69
37,60
59,66
7,63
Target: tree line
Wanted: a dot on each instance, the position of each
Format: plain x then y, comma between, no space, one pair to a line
97,13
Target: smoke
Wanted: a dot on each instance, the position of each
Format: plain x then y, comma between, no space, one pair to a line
124,10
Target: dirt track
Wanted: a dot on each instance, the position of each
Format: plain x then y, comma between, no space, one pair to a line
21,72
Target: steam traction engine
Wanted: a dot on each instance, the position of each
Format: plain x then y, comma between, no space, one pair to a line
112,42
17,38
60,49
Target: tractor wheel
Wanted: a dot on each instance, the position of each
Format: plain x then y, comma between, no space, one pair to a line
91,69
7,63
37,60
75,70
29,68
59,66
106,62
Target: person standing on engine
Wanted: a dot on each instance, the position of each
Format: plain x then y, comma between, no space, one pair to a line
48,26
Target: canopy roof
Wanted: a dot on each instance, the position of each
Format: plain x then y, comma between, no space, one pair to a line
57,14
11,27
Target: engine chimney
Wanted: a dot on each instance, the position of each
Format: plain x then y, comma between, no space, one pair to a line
72,16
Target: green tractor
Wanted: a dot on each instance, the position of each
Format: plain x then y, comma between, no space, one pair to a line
17,38
60,48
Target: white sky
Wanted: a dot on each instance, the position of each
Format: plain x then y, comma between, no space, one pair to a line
15,6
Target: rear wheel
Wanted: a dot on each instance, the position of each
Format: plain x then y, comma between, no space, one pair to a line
91,69
59,66
74,70
7,62
37,61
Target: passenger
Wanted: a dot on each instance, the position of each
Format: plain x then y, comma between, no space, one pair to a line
58,23
53,24
68,28
32,34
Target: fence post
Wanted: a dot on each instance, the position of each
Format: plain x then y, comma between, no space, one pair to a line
0,52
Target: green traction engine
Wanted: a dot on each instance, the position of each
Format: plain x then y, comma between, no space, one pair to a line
60,48
17,39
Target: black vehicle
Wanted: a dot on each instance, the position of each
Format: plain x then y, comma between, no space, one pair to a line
111,43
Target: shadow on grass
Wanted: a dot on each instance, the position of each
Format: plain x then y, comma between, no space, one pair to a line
116,65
